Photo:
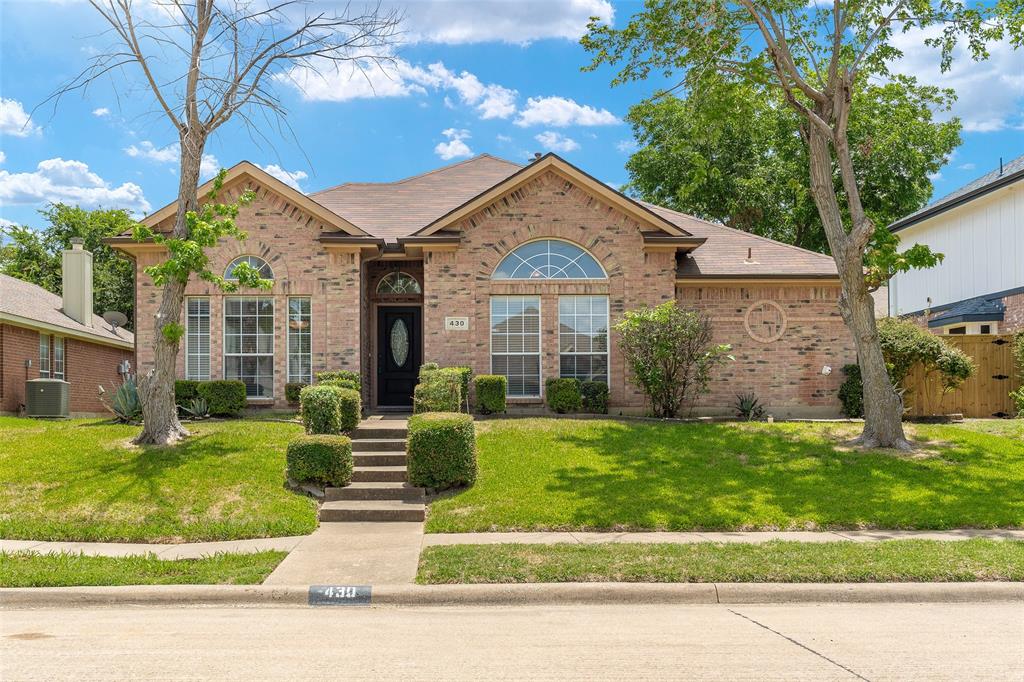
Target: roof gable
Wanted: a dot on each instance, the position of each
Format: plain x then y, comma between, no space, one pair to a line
556,164
245,170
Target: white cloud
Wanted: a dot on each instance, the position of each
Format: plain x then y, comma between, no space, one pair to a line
561,112
556,142
455,147
966,166
934,176
147,150
519,22
292,178
14,120
504,138
627,146
71,182
4,222
208,166
990,94
340,83
101,112
3,156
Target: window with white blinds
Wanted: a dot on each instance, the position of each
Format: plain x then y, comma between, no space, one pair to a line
197,339
515,343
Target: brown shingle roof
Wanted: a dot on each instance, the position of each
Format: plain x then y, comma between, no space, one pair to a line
724,254
397,209
28,301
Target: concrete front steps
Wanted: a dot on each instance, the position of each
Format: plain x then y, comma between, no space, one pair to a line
378,491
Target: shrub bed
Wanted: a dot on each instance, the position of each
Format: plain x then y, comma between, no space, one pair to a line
320,458
224,398
441,450
320,408
490,393
563,395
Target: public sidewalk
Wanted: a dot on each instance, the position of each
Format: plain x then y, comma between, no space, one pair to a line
189,550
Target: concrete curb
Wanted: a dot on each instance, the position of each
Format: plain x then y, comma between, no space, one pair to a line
520,594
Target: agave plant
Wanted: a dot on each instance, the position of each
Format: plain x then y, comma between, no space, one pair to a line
748,407
125,404
197,408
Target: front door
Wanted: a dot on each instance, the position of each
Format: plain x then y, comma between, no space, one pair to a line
398,355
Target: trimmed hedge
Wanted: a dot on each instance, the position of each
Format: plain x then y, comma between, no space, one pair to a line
224,398
185,391
563,395
351,406
292,390
851,392
595,396
346,374
341,383
490,393
320,407
320,458
439,391
441,450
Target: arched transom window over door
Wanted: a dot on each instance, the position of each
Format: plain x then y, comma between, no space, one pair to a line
549,259
398,283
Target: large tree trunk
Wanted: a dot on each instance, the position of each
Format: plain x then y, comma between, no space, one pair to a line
156,388
883,407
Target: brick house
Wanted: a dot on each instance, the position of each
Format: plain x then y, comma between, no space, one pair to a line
509,269
43,335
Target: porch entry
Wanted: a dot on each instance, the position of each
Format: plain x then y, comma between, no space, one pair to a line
399,348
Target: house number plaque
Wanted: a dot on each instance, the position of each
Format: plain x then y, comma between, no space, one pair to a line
456,324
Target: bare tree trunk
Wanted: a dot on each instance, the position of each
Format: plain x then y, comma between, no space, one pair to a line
156,388
883,407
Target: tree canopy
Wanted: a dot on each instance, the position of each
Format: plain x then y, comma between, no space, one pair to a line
733,155
34,255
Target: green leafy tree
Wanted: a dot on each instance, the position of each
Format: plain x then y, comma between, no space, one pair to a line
730,155
34,255
671,354
815,58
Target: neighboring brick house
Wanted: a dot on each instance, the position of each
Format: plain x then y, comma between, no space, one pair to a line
43,335
979,286
510,269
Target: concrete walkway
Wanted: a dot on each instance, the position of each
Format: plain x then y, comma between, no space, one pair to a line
190,550
684,538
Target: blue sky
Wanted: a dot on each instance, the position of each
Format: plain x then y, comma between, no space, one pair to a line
497,77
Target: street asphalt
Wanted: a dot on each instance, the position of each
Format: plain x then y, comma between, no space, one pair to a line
807,641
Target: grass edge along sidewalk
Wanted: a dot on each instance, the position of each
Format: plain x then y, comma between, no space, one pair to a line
771,562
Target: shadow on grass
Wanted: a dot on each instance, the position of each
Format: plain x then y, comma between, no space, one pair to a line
716,476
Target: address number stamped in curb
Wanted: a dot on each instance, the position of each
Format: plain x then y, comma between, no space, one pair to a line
339,595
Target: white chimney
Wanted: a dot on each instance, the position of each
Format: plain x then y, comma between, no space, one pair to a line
77,282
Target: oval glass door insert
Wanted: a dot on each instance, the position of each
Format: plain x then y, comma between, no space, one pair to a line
399,342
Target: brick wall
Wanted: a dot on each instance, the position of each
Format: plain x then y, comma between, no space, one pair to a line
285,237
459,282
86,366
1013,316
784,372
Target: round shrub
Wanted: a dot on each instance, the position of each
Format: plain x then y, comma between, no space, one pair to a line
439,390
224,398
441,450
185,391
345,374
320,458
490,393
351,408
292,390
341,383
595,396
851,392
320,407
563,395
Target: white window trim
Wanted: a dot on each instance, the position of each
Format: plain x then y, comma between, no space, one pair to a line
511,251
608,334
288,339
45,373
53,363
540,343
247,257
224,345
209,335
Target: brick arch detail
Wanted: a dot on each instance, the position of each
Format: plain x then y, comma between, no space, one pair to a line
254,247
529,233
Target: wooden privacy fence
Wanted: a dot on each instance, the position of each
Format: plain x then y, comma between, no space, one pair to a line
985,394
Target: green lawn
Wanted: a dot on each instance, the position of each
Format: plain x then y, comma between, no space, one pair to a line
888,561
83,480
26,569
540,474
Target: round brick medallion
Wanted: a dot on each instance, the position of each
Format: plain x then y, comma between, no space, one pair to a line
765,321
